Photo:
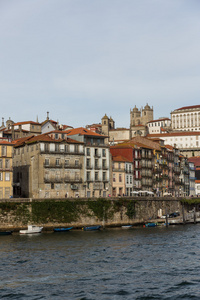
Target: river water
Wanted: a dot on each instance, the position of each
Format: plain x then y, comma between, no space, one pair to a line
139,263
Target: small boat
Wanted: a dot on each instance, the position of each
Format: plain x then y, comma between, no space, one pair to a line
5,232
31,229
91,228
150,224
64,229
126,226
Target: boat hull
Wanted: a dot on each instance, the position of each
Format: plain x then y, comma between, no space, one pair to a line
31,230
62,229
6,232
91,228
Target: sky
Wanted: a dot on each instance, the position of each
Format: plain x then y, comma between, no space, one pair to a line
82,59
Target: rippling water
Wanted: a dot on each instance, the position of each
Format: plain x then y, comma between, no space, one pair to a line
140,263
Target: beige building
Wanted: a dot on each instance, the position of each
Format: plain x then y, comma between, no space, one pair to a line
122,181
6,169
186,118
48,168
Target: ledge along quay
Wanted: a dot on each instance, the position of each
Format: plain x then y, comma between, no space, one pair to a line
17,214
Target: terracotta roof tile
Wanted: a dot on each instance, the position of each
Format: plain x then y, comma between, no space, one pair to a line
26,122
121,159
188,107
84,131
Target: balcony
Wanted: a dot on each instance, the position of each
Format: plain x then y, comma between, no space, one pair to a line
72,180
64,152
53,165
73,166
53,180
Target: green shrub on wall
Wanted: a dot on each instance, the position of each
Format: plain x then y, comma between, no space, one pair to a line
101,208
130,209
56,211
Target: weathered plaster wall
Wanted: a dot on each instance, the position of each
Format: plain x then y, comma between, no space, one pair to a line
17,213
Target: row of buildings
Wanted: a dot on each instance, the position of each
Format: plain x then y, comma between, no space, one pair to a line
80,163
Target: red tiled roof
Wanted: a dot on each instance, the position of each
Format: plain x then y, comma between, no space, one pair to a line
121,159
83,131
188,107
195,160
26,122
6,143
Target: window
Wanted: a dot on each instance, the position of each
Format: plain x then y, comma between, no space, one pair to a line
76,148
7,176
76,163
96,152
7,163
66,162
66,148
96,176
1,176
46,147
88,176
88,151
120,177
88,163
57,161
1,163
57,147
104,176
46,162
96,163
103,152
104,163
114,178
127,180
4,150
131,179
56,136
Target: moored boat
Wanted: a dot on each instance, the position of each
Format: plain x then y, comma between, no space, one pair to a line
126,226
64,229
91,228
5,232
151,224
31,229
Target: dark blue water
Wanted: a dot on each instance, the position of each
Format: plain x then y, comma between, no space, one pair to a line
141,263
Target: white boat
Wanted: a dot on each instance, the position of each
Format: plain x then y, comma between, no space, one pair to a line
126,226
31,229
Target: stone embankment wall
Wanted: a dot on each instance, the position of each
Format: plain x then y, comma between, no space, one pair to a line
17,213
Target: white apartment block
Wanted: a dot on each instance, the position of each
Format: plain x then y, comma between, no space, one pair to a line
187,142
158,126
186,118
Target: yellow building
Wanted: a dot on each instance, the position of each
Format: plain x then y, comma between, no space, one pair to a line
6,170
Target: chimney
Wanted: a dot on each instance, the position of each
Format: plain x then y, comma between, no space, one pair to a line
47,115
3,122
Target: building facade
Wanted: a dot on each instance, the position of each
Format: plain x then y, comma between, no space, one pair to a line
48,168
186,118
6,169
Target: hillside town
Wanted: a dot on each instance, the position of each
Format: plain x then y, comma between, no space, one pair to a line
152,157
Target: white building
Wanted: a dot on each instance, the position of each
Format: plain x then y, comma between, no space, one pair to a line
186,118
158,126
187,142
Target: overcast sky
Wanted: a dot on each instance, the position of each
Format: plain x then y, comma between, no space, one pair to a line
80,59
